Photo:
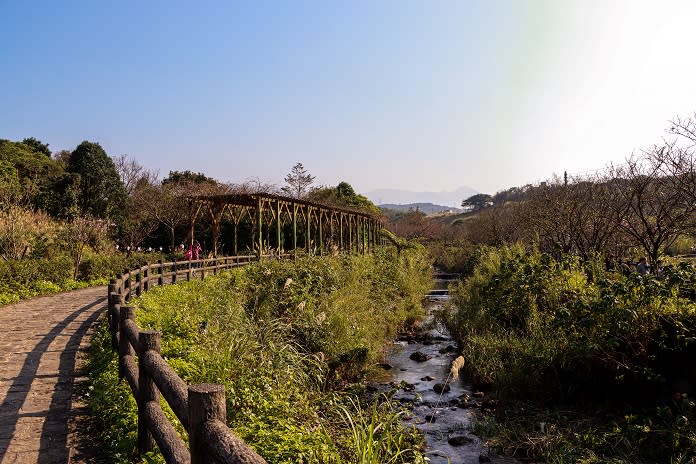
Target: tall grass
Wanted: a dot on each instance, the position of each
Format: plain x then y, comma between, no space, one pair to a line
284,337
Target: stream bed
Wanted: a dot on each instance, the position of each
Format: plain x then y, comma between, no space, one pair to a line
441,408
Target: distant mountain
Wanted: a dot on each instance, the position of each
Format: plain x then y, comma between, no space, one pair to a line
427,208
403,197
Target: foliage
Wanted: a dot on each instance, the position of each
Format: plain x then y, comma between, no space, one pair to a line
34,276
343,195
477,202
280,336
24,233
298,180
34,169
574,333
101,192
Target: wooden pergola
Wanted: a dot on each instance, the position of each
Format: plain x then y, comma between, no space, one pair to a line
322,228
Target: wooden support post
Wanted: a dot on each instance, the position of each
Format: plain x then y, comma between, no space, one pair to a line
127,284
340,241
259,226
363,222
294,228
160,274
206,402
234,241
138,283
174,271
124,346
278,227
350,233
321,234
308,231
146,278
147,390
189,272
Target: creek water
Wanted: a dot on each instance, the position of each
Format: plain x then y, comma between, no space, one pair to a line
443,416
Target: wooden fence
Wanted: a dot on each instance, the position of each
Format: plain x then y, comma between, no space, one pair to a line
200,408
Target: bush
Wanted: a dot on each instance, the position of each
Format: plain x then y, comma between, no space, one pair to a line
571,333
281,335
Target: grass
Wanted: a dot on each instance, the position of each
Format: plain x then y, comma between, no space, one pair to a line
287,339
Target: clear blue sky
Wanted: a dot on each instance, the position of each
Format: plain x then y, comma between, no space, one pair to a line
419,95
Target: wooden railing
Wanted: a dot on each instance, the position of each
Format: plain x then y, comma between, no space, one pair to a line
200,408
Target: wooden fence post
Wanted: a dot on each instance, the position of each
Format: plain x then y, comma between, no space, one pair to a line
206,402
146,277
160,277
174,270
138,283
188,272
124,346
127,284
147,390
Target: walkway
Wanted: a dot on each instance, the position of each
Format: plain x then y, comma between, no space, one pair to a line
39,375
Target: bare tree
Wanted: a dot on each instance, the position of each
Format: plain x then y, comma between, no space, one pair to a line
682,160
132,173
298,181
654,209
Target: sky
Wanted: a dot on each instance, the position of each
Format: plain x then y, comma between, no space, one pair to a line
416,95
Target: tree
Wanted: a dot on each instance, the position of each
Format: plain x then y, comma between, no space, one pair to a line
101,192
34,169
298,181
37,146
477,202
180,177
132,173
343,195
10,189
172,207
654,209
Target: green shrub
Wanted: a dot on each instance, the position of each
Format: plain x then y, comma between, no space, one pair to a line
280,335
570,333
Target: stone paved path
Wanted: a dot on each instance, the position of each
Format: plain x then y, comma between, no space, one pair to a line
40,345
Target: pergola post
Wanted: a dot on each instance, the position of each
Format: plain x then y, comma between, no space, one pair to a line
340,219
259,225
294,228
308,232
280,246
321,235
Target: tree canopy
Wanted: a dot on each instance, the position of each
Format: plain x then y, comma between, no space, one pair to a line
477,202
298,181
343,195
101,192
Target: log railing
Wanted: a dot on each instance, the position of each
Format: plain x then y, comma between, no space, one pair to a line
200,408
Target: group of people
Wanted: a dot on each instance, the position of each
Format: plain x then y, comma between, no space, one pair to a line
643,267
193,252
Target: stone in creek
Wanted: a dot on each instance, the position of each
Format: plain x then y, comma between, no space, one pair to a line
459,440
430,418
484,458
448,349
427,378
479,394
407,386
418,356
385,366
441,388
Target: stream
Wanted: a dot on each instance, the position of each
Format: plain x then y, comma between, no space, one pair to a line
441,409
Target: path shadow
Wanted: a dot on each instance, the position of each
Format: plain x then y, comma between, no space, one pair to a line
54,431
